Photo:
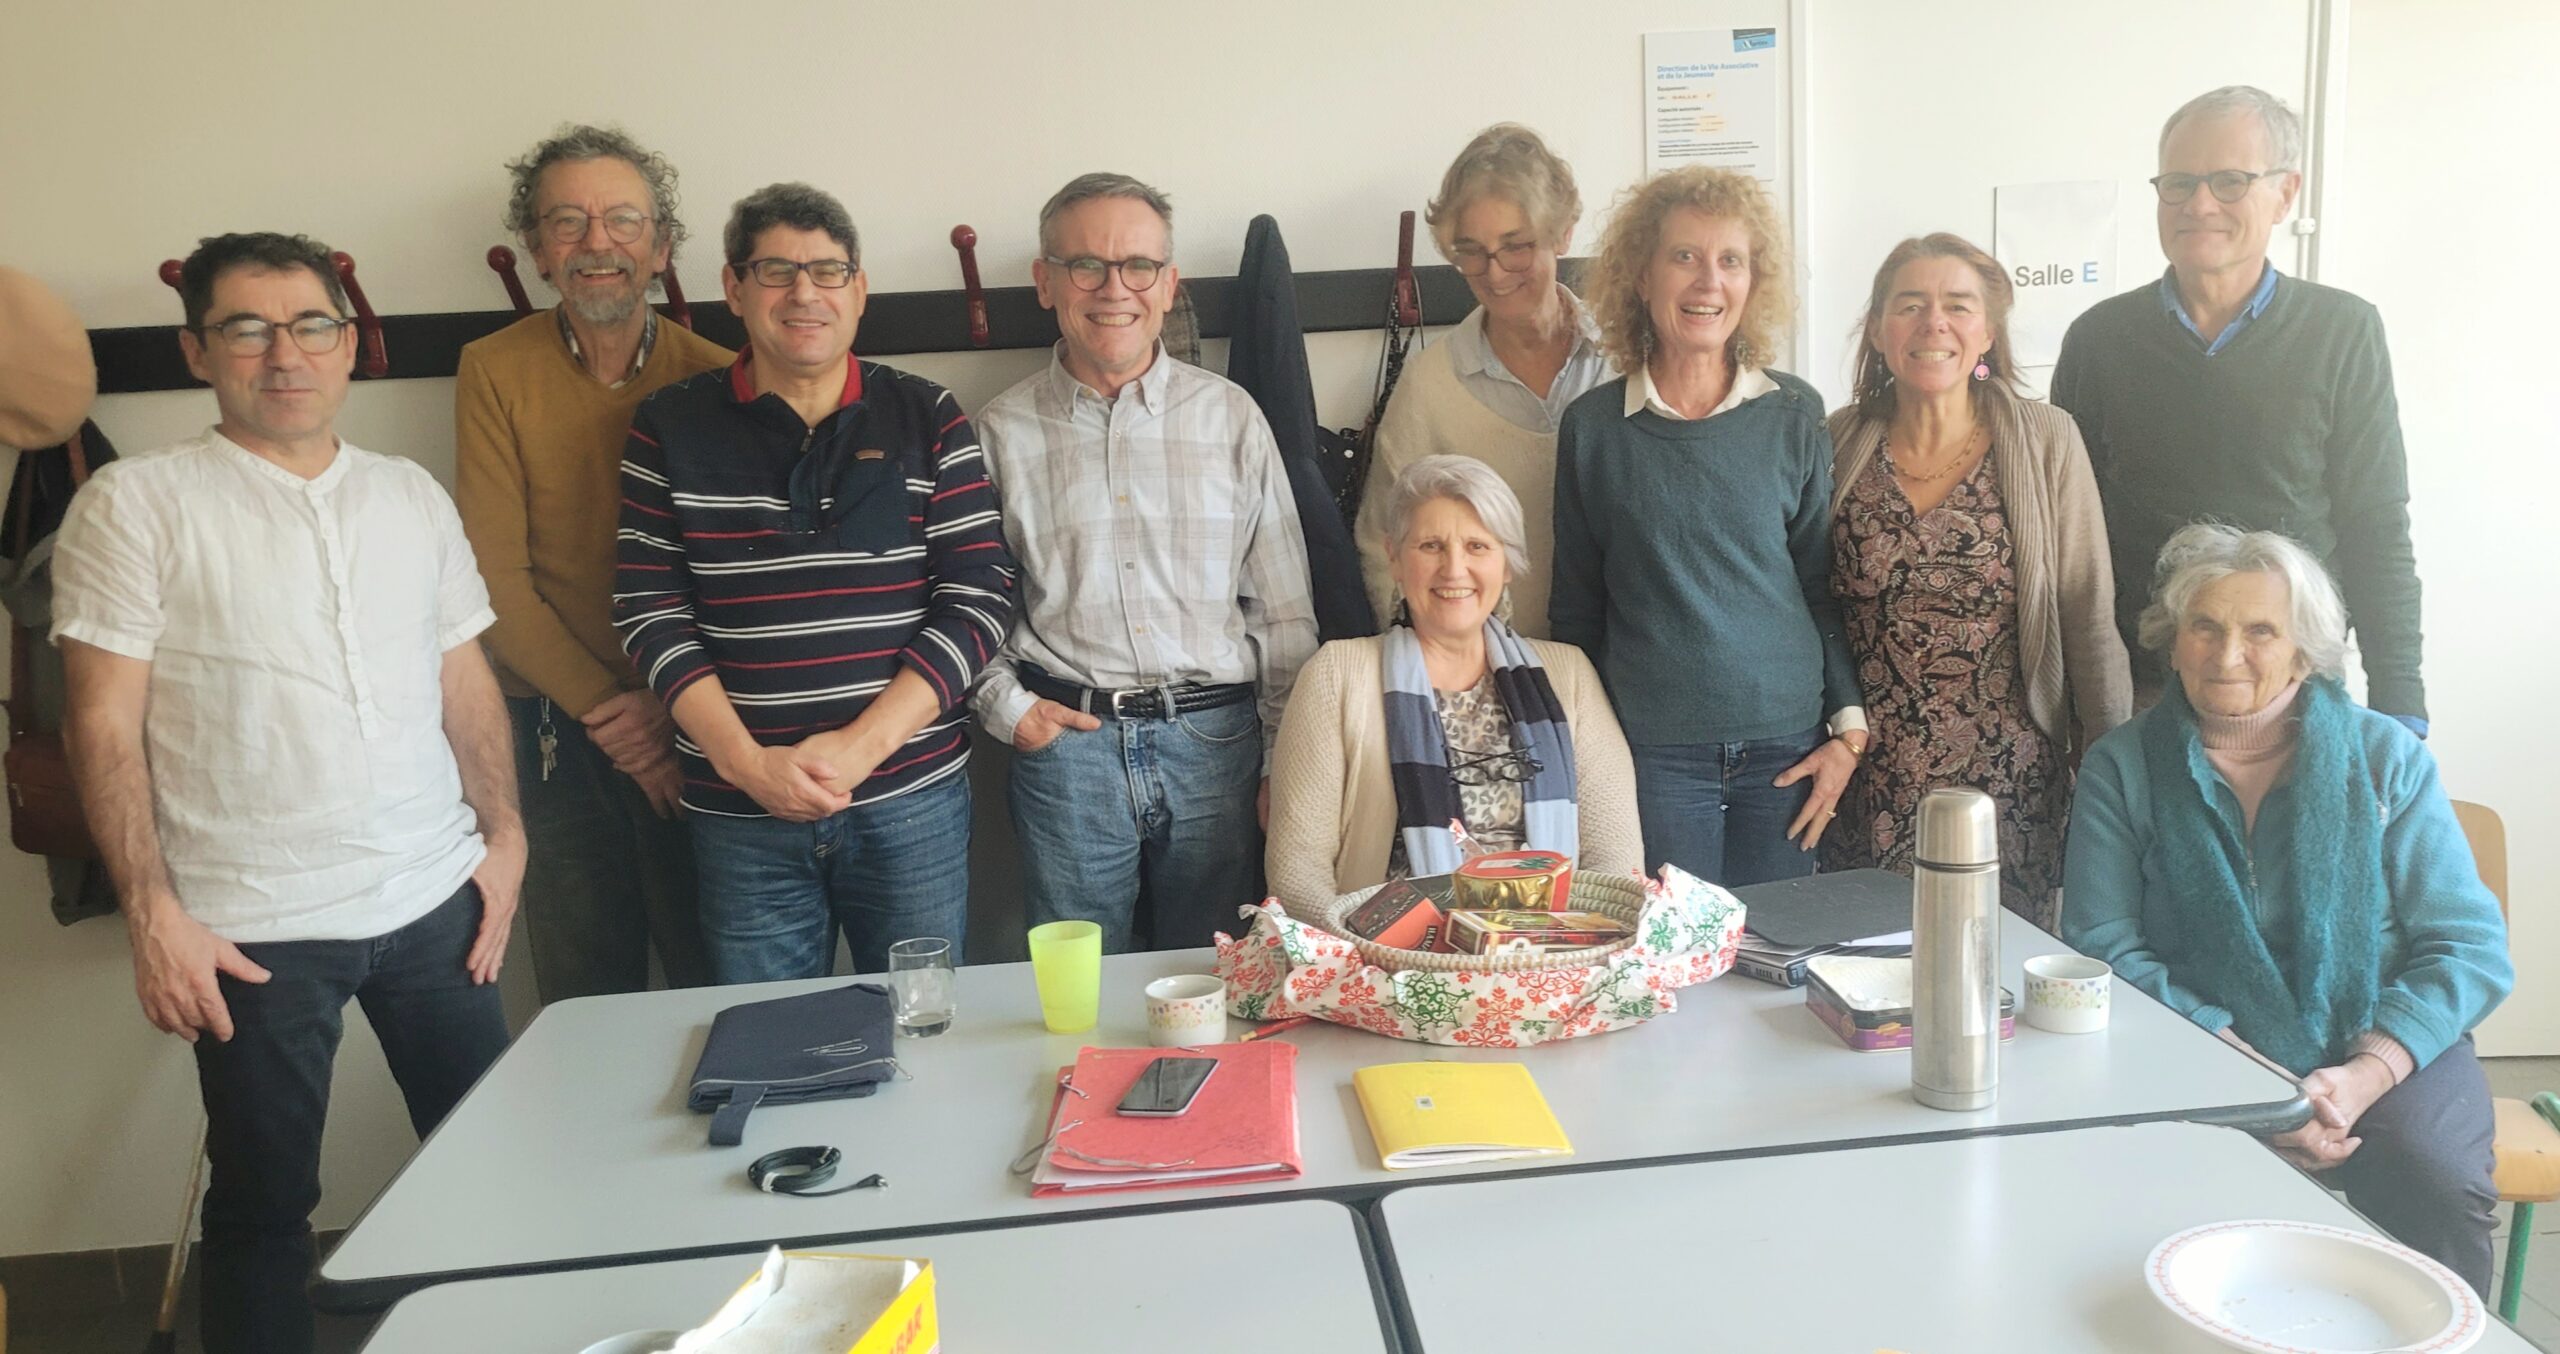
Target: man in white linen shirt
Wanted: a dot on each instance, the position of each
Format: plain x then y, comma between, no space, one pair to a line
293,757
1165,605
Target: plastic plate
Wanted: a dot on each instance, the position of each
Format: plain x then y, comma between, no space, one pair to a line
2303,1288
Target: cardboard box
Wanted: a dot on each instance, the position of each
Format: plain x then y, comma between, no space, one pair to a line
1537,932
1534,881
1404,914
822,1300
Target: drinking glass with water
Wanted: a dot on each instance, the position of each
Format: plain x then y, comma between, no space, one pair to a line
920,978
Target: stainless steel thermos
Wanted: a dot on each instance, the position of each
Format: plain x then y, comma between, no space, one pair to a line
1955,951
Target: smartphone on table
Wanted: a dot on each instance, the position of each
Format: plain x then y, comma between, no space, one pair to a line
1167,1087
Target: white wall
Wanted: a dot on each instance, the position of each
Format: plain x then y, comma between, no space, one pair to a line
2442,217
119,146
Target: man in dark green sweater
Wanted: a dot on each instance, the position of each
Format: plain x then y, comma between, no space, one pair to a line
2231,392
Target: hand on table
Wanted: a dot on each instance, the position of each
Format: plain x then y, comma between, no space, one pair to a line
2339,1097
1830,765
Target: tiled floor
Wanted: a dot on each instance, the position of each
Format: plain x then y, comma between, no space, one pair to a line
123,1329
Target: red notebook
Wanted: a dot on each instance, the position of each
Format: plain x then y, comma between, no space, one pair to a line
1243,1126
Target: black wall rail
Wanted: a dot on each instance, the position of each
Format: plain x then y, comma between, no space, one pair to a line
146,357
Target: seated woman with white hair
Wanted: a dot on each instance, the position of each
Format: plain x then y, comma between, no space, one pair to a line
1449,715
2281,866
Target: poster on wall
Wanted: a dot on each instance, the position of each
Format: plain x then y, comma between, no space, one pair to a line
2058,241
1719,96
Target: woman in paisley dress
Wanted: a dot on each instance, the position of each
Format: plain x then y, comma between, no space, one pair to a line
1969,554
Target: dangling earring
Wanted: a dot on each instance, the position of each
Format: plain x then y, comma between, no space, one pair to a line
1982,369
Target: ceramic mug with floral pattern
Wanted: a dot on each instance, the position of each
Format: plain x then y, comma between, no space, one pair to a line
2068,993
1187,1009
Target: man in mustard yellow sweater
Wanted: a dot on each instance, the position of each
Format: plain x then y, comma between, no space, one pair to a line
541,409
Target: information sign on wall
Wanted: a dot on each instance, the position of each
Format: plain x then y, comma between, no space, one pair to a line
2058,241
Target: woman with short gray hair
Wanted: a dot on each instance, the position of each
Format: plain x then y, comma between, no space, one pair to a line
1449,736
1494,388
2281,866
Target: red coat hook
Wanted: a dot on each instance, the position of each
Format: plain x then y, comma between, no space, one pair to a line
1408,295
502,261
966,241
169,272
678,309
373,360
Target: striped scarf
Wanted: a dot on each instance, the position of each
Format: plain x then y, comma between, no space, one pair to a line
1427,806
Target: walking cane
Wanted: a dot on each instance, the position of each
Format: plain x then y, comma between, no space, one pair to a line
164,1328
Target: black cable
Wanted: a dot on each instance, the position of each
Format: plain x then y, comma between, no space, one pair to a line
801,1170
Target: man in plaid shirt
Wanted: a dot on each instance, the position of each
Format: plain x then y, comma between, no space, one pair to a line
1165,603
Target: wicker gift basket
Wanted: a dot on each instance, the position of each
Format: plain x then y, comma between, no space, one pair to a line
1616,896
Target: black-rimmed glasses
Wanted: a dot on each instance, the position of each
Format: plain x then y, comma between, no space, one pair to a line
2228,185
777,273
1484,768
568,225
1475,261
248,336
1089,273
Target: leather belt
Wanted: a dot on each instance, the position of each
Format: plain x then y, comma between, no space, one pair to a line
1131,702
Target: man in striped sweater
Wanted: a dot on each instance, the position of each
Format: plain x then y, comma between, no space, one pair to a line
811,572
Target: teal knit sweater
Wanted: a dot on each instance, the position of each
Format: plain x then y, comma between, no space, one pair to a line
2443,947
1693,564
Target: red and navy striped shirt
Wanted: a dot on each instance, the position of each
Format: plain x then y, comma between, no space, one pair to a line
804,566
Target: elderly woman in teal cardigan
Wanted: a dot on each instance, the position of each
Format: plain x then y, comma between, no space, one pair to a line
2281,866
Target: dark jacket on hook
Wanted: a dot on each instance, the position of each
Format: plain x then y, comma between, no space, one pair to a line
1267,355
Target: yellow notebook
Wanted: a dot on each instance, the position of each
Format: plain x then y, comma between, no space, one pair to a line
1443,1114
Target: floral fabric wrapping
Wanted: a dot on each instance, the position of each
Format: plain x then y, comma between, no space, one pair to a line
1281,967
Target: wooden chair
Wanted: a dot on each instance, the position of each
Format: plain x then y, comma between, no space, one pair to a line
2528,1135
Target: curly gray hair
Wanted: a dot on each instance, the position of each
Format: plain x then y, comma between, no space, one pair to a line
578,141
2283,127
2205,553
1466,480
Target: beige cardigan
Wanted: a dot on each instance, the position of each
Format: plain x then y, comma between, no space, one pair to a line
1333,805
2078,684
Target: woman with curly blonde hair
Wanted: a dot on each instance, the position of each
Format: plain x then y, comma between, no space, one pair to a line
1693,525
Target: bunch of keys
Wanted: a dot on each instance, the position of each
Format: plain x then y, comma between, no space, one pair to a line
547,740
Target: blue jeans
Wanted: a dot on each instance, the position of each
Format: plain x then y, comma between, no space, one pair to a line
1714,810
1146,826
775,893
605,879
266,1098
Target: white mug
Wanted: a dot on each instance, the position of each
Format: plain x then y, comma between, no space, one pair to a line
2068,993
1187,1009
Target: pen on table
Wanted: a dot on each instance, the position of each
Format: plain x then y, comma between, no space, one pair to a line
1275,1027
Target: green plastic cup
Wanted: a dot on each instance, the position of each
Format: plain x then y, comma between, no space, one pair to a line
1066,963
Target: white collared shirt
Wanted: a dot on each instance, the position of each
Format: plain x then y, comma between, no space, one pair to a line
1749,383
296,631
1510,398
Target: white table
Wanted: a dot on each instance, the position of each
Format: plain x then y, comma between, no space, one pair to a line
576,1147
1198,1279
2031,1243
